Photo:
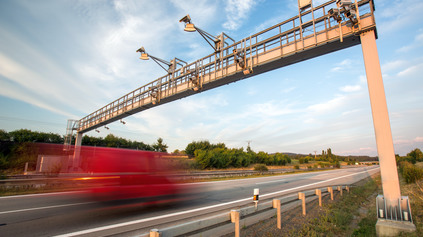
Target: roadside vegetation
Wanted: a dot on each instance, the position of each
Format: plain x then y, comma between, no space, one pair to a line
413,190
17,149
340,218
217,156
335,218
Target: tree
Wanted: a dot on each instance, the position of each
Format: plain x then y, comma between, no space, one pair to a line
202,145
4,136
141,146
26,135
111,141
415,155
160,146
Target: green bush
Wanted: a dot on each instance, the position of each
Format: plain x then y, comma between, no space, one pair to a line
220,157
297,167
261,168
410,172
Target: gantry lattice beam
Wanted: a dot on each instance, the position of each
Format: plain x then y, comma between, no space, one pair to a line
310,34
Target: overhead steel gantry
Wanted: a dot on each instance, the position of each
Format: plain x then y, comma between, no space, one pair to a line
310,34
315,31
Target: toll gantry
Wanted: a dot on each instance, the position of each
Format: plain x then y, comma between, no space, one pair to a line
313,32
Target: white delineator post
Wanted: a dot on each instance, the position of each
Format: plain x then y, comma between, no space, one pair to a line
256,196
385,146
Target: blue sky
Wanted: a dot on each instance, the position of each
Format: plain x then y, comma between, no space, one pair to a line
64,59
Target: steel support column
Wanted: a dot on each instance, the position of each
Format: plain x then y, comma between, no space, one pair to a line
77,152
385,146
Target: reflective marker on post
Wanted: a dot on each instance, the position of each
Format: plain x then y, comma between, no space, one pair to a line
256,195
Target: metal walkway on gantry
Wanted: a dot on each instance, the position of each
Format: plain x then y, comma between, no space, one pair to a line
309,34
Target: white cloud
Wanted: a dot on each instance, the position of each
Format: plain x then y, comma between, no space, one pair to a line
330,105
289,89
418,42
237,11
410,71
34,88
350,112
14,92
310,120
349,88
271,109
202,12
344,65
401,141
363,79
399,14
393,65
97,63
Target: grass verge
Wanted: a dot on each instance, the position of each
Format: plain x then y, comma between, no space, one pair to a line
340,218
414,191
355,214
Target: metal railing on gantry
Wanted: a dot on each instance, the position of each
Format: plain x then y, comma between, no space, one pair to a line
313,32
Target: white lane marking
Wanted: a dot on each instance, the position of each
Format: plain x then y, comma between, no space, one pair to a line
48,207
274,181
320,182
270,177
323,173
195,210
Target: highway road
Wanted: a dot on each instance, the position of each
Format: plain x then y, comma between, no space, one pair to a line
72,214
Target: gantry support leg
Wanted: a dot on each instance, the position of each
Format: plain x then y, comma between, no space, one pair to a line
384,143
385,146
77,152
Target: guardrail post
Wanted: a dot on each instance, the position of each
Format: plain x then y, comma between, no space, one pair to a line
330,190
340,189
319,193
301,196
235,219
277,205
26,169
154,233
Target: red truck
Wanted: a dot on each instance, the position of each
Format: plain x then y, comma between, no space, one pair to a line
111,173
116,174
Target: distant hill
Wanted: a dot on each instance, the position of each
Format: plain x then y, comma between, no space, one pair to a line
357,158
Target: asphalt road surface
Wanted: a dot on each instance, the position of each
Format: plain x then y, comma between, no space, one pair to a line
72,214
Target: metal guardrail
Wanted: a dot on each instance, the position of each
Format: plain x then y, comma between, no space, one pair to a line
38,183
40,180
227,223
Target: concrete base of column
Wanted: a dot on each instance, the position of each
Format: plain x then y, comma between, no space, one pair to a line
393,228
